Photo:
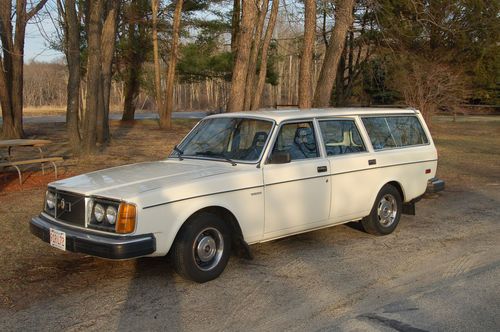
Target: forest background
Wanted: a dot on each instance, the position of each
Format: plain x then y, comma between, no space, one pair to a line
237,55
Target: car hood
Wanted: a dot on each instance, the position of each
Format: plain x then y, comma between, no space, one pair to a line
130,180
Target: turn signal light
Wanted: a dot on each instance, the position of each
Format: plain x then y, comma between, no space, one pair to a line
126,219
428,171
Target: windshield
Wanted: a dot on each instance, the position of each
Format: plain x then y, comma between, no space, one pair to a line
240,139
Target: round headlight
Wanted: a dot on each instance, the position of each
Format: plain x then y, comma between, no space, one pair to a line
99,212
50,200
111,214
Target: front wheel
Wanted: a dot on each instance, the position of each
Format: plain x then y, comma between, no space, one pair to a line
202,249
385,213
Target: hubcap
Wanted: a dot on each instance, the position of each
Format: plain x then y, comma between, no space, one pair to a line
208,248
387,210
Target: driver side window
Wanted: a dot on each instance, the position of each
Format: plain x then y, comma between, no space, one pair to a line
298,139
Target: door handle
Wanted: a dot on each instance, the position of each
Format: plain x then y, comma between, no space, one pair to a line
322,169
372,162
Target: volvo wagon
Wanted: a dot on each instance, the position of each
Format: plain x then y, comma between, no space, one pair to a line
238,179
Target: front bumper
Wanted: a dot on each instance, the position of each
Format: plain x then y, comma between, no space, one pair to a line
110,247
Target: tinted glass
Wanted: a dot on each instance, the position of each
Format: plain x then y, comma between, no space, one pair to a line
233,138
407,130
394,131
298,139
379,132
341,137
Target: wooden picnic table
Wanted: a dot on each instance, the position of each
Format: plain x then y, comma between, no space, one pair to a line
24,142
35,143
12,143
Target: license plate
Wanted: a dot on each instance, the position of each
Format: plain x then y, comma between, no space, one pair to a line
57,239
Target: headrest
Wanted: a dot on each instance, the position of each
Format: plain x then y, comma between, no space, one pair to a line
259,138
304,135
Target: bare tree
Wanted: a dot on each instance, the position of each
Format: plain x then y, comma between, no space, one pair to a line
235,25
305,71
240,70
156,56
107,52
11,63
96,8
428,85
326,80
254,53
257,95
132,73
166,114
44,84
71,28
357,51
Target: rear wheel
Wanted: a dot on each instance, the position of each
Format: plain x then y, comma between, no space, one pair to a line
202,249
385,213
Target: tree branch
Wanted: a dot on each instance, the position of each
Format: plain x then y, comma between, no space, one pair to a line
35,9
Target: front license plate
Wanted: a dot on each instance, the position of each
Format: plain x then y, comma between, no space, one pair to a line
57,239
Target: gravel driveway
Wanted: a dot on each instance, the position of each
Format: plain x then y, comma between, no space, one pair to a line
439,271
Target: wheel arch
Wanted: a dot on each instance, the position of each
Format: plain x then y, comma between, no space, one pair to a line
398,186
240,247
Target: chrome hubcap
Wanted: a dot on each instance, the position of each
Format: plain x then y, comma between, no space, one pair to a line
387,210
207,248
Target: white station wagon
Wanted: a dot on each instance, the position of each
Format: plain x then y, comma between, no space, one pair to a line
243,178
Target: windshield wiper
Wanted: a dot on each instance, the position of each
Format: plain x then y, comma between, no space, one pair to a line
179,152
214,154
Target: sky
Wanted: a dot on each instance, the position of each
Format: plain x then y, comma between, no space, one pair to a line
38,32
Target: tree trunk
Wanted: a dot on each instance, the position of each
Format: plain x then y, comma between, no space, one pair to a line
326,80
156,56
17,83
131,92
107,52
235,25
72,41
306,64
240,68
264,56
340,81
12,64
93,75
8,129
5,103
254,53
166,116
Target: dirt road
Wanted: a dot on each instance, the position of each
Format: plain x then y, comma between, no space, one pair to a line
439,271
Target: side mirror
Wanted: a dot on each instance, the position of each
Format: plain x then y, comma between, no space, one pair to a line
280,157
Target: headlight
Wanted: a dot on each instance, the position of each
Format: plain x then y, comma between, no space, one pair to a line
111,214
99,212
50,200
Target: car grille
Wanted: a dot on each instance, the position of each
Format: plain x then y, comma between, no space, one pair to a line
70,208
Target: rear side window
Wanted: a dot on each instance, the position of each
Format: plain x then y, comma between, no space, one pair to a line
394,131
341,137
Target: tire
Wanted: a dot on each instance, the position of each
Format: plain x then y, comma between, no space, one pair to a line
385,213
202,248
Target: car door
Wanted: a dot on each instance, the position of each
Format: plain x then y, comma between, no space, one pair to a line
351,176
297,193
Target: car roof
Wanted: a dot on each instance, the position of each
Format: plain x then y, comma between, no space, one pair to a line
293,114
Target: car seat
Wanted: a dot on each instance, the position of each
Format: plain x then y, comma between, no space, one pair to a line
304,144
